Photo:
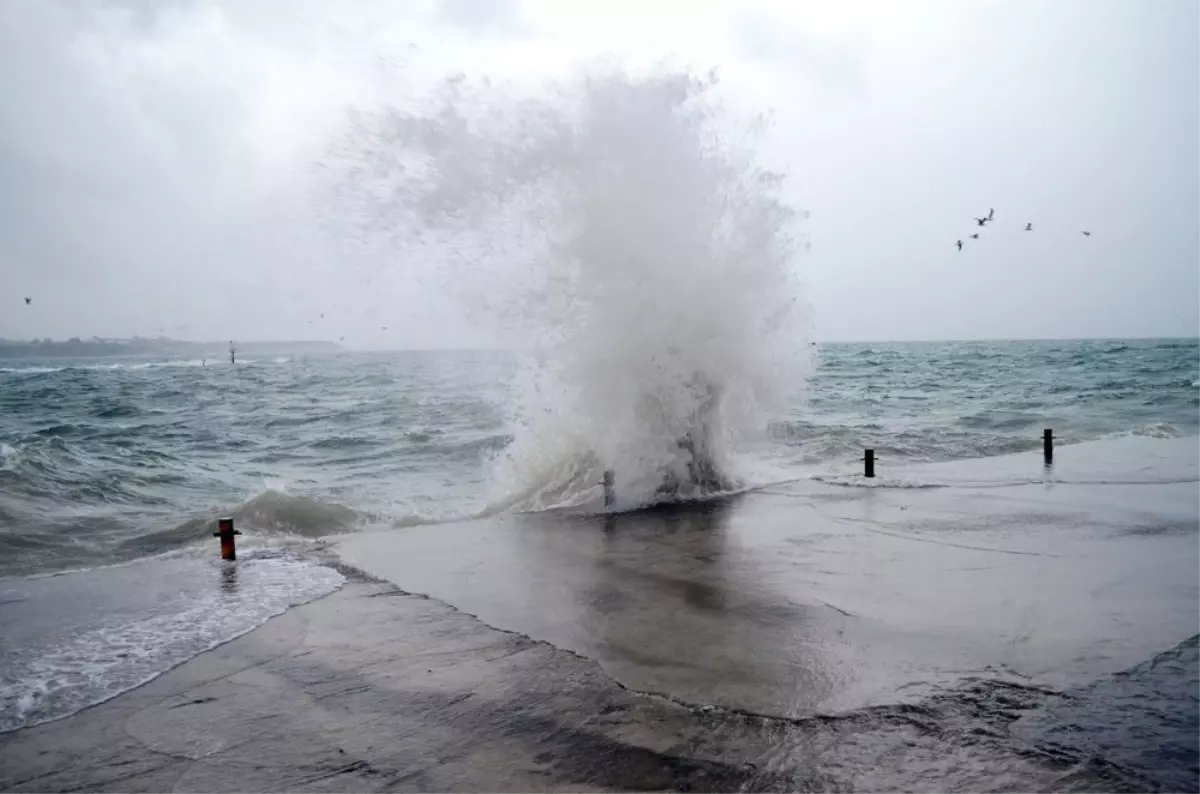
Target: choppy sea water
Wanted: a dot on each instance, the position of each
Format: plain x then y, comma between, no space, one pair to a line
114,471
106,461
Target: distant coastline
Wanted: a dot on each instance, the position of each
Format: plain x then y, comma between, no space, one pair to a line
162,346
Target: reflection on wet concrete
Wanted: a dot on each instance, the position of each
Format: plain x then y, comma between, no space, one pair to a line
372,689
816,598
229,577
667,606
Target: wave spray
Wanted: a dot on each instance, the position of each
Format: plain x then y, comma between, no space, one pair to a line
625,230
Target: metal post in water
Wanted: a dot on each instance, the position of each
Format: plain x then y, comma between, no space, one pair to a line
870,461
225,532
1048,445
610,494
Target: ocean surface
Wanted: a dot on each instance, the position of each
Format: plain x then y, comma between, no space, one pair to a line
107,461
113,472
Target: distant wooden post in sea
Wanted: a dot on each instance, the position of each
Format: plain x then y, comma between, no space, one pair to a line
1048,445
870,463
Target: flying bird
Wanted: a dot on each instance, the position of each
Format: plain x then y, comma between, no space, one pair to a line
1029,227
975,236
991,213
28,301
959,244
1087,234
981,221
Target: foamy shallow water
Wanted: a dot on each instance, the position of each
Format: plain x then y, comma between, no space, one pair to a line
75,639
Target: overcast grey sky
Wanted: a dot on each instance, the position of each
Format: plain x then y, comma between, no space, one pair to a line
150,150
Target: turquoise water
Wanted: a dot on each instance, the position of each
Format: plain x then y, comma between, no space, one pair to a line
949,400
108,460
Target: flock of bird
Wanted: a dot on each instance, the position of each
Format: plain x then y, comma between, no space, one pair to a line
986,219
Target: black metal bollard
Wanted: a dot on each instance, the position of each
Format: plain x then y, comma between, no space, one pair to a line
225,532
610,495
870,463
1048,445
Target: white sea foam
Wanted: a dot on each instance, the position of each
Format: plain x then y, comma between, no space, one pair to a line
8,456
109,366
625,227
84,637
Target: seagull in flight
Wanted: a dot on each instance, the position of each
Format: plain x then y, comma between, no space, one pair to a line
1029,227
975,236
959,244
28,301
1087,234
981,221
991,213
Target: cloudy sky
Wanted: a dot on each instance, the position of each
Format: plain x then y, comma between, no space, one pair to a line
152,153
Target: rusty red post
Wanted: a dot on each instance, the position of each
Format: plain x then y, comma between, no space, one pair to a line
225,532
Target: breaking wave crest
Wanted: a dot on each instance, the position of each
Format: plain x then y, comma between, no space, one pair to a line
623,228
269,519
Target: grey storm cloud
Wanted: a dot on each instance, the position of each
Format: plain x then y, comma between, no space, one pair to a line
483,17
155,156
141,177
835,62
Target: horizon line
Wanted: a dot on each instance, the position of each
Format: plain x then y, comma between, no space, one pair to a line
369,348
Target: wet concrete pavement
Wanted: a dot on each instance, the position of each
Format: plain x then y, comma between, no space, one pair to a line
816,637
819,598
369,689
372,689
